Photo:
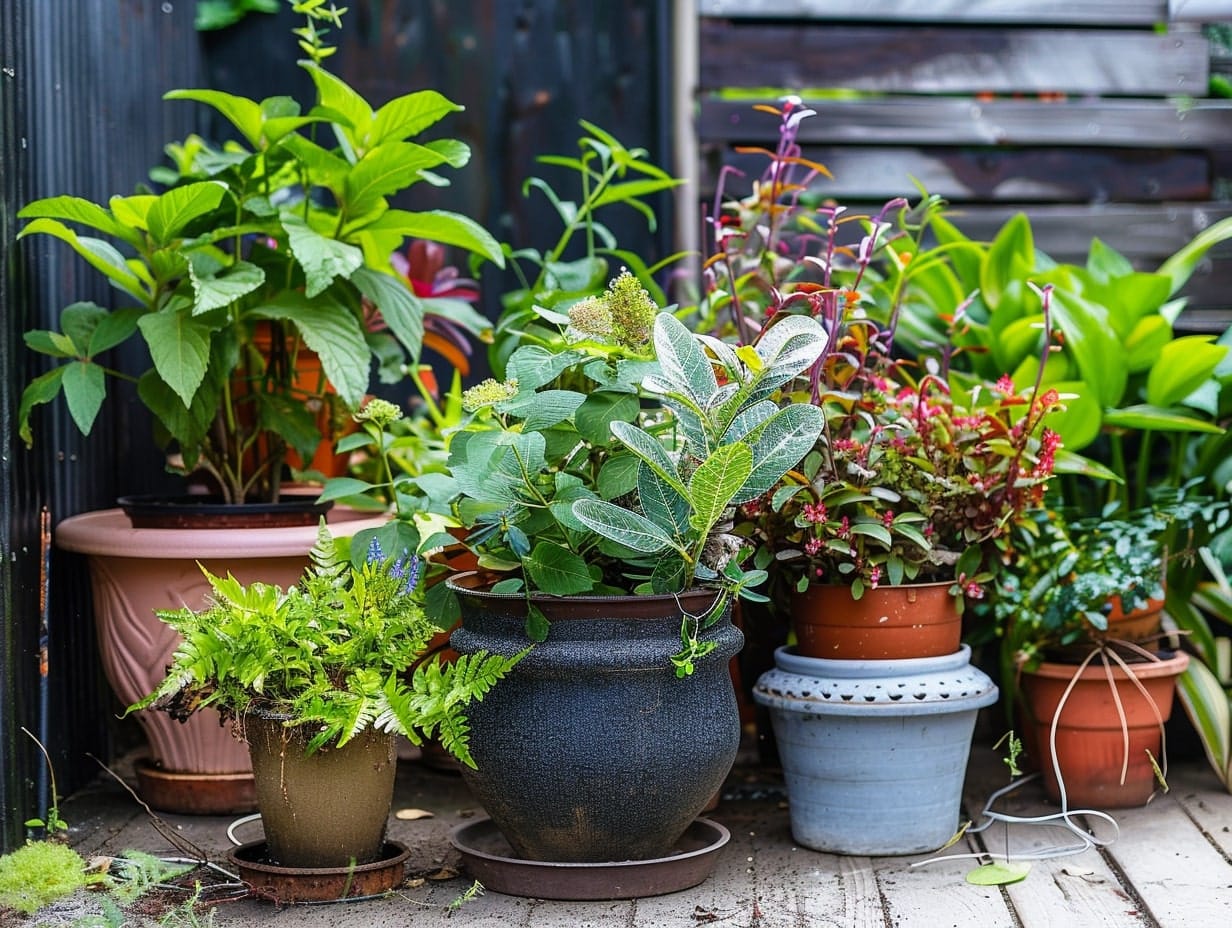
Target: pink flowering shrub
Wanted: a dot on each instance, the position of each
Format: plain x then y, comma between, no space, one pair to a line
921,472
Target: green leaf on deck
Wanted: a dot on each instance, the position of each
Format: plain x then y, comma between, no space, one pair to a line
999,873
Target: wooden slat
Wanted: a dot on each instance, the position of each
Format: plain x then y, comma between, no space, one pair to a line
898,120
935,59
1091,12
1021,175
939,894
1204,800
1065,232
1077,891
1180,877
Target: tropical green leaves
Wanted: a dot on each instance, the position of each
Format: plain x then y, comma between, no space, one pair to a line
291,225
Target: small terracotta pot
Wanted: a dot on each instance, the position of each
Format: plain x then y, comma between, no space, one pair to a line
888,623
1142,627
1090,742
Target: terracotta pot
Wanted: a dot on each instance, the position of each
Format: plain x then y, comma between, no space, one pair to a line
329,808
1090,740
1141,627
888,623
591,750
134,572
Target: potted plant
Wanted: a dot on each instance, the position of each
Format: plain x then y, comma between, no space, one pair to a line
285,238
1081,650
921,470
315,679
598,482
252,255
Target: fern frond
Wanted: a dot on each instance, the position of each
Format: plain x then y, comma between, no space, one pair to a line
453,733
325,558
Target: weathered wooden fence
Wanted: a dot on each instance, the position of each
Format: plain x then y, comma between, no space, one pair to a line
1092,116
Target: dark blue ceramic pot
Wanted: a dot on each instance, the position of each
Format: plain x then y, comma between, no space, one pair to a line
592,749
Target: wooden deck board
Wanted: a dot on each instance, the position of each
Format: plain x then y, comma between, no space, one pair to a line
1183,880
1170,867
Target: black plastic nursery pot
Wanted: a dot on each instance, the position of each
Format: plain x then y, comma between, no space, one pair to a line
592,750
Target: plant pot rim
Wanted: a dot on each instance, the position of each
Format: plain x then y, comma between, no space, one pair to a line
108,533
882,589
212,512
1144,669
473,584
900,687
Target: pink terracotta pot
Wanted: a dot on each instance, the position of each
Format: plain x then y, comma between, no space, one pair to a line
134,572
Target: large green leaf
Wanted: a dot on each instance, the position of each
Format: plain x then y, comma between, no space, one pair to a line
179,206
42,389
533,366
440,225
401,309
84,390
661,502
324,167
1104,262
1181,265
595,416
557,570
331,330
785,438
1157,419
76,209
112,329
409,115
622,525
1078,423
543,409
1011,257
214,291
102,256
1089,340
348,109
322,258
187,424
179,347
1146,340
243,113
79,321
716,482
1184,365
650,450
1206,703
787,348
685,367
383,171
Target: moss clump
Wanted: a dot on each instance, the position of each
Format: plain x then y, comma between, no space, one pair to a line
38,874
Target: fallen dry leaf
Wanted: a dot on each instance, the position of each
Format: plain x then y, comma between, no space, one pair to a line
445,873
410,815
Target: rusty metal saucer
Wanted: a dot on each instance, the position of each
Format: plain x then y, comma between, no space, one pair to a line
488,858
284,885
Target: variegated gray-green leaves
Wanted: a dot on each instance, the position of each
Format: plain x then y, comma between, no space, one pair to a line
734,442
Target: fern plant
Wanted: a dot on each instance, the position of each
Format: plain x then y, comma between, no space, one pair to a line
334,652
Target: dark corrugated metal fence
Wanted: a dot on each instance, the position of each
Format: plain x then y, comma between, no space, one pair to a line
81,113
